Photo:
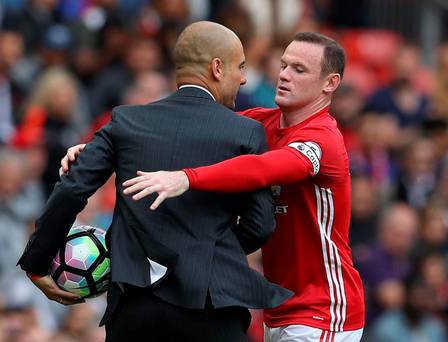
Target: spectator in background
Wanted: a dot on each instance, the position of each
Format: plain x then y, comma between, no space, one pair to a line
172,11
440,194
149,86
285,16
164,20
85,64
18,323
434,274
365,206
11,95
436,130
418,173
18,208
346,108
100,36
108,38
434,231
402,98
51,120
262,73
81,325
13,221
32,21
53,50
441,83
142,55
414,322
373,156
385,265
56,45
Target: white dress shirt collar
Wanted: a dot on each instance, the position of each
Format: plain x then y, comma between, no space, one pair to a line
197,86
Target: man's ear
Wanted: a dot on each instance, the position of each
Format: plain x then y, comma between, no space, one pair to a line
217,66
332,83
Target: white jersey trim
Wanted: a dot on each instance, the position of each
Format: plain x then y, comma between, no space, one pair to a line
300,333
312,151
332,260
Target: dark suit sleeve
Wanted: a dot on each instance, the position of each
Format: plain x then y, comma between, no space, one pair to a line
91,170
257,222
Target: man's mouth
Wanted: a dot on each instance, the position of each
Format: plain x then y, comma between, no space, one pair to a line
282,88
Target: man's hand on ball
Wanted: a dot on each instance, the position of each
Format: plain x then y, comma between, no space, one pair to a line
70,157
167,184
47,285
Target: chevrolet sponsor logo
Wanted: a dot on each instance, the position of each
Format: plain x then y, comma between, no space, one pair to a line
281,209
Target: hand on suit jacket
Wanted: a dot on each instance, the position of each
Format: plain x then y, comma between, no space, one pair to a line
167,184
47,285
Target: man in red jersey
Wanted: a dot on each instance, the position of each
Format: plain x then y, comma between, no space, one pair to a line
307,167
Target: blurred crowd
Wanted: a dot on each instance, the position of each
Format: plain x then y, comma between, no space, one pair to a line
65,64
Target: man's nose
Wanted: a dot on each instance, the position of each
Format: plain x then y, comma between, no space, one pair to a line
284,75
243,80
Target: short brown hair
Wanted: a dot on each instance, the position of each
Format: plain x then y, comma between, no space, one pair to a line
334,54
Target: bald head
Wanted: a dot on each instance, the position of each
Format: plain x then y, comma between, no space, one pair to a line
212,56
199,43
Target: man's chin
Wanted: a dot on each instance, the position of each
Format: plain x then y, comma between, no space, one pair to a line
280,101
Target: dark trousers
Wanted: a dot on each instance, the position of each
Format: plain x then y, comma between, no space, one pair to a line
141,316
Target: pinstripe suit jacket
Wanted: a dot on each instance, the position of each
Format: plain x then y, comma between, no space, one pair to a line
195,236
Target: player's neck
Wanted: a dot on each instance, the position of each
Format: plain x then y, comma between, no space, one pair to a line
291,117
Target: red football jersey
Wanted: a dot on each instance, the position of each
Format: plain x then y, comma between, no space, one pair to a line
309,252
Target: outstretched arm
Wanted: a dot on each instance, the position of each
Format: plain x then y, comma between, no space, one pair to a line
239,174
251,172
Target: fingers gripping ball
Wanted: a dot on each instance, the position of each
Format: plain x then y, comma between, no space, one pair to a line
82,265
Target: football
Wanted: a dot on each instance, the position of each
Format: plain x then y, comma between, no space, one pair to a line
82,265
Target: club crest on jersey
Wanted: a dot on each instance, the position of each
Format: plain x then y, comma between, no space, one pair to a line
311,150
276,190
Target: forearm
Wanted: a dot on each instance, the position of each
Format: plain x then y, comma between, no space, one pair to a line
250,172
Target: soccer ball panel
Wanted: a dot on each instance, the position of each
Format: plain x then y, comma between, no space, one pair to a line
101,270
69,280
81,252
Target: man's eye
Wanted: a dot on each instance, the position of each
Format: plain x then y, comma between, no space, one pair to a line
298,70
282,66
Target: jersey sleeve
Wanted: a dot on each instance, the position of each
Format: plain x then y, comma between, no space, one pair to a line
250,172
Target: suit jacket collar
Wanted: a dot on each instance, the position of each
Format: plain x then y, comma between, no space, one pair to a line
193,92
